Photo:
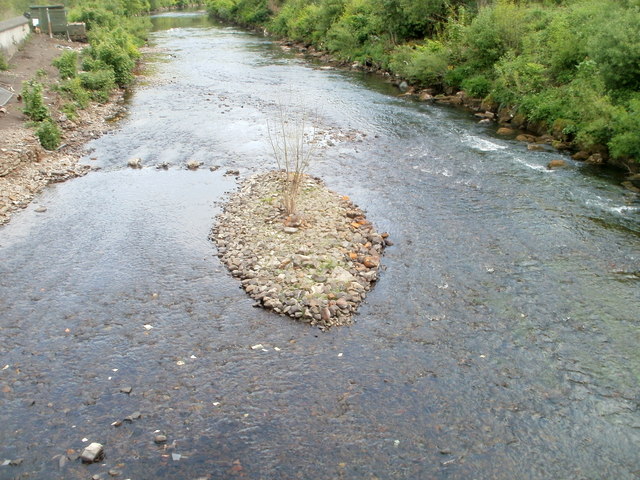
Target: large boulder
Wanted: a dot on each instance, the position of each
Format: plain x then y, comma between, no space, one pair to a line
505,131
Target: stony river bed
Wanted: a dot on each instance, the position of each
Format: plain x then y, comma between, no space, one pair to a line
499,341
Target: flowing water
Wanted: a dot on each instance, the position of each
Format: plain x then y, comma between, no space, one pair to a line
501,341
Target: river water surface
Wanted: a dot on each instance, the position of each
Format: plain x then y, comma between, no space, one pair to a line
501,341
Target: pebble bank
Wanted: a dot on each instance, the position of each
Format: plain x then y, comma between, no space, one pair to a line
316,266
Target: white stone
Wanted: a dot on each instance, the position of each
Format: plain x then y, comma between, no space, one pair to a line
92,453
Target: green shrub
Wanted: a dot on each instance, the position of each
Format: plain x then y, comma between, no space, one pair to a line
403,20
253,12
117,58
329,11
135,7
67,64
3,63
99,83
246,12
34,106
119,37
138,29
224,9
615,47
73,90
348,35
583,105
517,77
49,134
93,16
297,20
90,64
114,49
477,86
625,141
70,109
494,31
425,64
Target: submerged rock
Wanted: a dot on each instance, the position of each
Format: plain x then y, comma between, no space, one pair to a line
317,271
193,164
93,453
556,163
135,163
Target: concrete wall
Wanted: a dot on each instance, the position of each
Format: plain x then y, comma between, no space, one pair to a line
12,33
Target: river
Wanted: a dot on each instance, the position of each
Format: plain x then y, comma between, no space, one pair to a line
500,342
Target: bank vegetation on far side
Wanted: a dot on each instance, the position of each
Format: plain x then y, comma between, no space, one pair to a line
568,68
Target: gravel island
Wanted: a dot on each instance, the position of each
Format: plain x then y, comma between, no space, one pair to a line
316,266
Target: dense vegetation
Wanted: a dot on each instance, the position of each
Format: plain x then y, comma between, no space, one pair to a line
567,67
13,8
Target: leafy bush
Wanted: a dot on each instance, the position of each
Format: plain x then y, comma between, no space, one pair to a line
67,64
477,86
93,16
517,77
118,37
253,12
625,141
49,134
138,30
615,47
494,30
356,35
297,20
585,110
224,9
403,20
99,83
246,12
425,64
70,109
3,63
117,58
34,106
74,90
90,64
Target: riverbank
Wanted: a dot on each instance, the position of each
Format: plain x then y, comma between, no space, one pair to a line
508,123
502,55
316,266
25,167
